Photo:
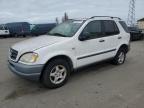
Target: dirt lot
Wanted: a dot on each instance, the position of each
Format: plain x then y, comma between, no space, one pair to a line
98,86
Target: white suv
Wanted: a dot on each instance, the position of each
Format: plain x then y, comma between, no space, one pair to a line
73,44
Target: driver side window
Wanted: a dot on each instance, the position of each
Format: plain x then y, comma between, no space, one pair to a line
93,30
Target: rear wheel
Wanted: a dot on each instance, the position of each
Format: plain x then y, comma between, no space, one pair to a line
4,36
56,73
16,35
24,36
120,57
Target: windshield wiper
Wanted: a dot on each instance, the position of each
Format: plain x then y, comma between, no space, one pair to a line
57,34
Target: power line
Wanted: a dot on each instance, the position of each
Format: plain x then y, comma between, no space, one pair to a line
131,14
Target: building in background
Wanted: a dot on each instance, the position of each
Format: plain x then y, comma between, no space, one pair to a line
141,24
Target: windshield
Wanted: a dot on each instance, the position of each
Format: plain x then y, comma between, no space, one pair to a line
66,29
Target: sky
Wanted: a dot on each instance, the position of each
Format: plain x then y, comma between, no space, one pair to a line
43,11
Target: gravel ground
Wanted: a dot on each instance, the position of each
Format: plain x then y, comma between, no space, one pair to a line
101,85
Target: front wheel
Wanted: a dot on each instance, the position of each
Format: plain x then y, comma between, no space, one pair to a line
120,57
56,73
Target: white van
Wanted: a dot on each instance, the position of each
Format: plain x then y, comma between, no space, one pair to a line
75,43
4,32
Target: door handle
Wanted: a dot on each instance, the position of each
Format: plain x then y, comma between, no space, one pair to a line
119,37
101,40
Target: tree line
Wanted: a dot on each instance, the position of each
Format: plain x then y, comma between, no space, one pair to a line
64,18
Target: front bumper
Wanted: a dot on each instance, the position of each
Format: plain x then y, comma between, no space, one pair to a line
31,72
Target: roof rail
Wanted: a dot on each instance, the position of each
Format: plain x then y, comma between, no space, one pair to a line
106,16
78,19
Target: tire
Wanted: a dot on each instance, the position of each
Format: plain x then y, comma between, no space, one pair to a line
141,37
24,36
120,57
53,76
4,36
11,36
15,35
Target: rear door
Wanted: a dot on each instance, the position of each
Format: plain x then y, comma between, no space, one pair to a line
111,36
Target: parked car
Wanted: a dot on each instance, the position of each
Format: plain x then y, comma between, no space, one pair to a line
4,32
142,33
135,33
19,29
73,44
41,29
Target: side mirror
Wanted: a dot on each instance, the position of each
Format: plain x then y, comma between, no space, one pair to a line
84,36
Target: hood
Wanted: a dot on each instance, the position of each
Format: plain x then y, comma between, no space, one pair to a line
36,43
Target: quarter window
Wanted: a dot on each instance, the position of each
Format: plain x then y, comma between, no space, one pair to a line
123,24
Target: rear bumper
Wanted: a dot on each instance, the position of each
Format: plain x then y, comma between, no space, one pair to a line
31,72
4,34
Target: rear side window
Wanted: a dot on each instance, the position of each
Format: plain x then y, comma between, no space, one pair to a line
110,28
123,24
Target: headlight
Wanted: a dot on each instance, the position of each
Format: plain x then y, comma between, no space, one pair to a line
29,58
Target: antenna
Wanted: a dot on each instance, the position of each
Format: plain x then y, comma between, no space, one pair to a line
131,14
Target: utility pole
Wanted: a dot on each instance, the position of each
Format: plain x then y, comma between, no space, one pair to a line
131,14
65,17
57,20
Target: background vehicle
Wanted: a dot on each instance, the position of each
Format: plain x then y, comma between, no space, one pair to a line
4,32
41,29
19,29
135,33
70,45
